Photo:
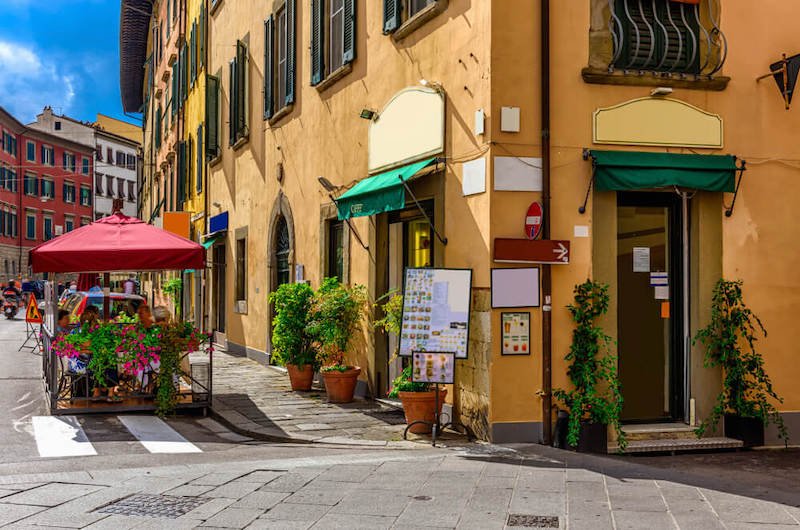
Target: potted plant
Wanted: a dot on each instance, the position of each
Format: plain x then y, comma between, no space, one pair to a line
746,399
594,403
292,344
335,318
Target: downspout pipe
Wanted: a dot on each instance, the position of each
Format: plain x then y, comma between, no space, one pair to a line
547,323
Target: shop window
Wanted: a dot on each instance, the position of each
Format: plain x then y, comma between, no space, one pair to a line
279,67
401,17
241,269
335,266
238,95
419,250
333,38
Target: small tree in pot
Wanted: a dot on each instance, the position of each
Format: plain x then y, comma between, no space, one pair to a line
419,399
334,320
595,402
292,344
746,399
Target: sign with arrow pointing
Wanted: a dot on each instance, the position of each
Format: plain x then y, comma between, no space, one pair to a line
510,250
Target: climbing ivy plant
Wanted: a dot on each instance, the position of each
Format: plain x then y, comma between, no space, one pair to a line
730,343
595,394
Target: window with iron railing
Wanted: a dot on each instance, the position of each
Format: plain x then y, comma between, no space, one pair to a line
668,37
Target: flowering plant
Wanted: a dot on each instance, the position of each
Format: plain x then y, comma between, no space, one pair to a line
138,348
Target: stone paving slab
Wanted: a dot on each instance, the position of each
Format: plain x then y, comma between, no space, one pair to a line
257,401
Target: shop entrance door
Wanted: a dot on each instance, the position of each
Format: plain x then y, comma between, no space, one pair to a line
649,306
219,287
410,245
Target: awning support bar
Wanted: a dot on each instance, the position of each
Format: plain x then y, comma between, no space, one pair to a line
741,169
422,210
586,155
350,226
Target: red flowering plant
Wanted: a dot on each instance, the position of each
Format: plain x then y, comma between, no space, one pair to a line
139,348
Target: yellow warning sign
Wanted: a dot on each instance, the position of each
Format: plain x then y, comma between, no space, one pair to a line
32,314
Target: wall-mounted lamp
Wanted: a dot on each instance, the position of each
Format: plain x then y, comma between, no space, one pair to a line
368,114
216,205
661,91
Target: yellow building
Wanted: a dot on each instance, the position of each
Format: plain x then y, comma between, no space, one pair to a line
306,99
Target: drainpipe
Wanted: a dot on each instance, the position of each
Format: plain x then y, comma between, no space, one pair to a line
547,324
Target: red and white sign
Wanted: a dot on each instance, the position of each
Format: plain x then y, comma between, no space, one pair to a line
533,221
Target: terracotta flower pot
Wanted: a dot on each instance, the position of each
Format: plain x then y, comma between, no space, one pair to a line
420,406
340,386
300,378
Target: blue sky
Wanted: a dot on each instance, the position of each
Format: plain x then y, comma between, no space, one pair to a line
62,53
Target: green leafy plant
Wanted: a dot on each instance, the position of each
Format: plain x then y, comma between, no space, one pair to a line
291,341
391,304
595,394
335,315
104,339
403,383
176,340
173,288
730,342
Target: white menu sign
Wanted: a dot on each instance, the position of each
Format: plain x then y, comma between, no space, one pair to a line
436,304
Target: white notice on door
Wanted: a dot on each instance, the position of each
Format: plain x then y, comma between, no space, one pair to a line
641,259
662,292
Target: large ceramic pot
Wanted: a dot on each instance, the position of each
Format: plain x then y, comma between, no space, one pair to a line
593,438
749,430
301,378
421,406
340,386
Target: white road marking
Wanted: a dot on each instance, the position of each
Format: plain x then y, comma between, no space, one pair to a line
156,436
60,436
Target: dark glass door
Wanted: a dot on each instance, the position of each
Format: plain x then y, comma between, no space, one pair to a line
219,286
649,305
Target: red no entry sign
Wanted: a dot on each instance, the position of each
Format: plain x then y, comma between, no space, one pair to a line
533,221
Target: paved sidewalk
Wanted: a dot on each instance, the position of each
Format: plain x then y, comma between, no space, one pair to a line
257,400
483,488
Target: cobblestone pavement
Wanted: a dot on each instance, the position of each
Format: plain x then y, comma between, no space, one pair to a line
258,401
482,488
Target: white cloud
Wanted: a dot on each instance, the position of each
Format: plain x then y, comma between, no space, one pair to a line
29,81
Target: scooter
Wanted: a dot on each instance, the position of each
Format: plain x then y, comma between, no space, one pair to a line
10,306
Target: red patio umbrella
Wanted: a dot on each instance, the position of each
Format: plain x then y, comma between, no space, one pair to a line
117,243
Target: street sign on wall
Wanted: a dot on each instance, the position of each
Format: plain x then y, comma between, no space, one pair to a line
529,251
533,221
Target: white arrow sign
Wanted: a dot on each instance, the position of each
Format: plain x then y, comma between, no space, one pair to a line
562,252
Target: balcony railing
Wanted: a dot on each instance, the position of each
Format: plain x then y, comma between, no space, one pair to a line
679,38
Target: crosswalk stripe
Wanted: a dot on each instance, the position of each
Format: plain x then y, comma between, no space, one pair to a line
60,436
156,436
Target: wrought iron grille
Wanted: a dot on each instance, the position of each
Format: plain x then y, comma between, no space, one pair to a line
671,37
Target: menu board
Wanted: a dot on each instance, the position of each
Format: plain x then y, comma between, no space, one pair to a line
516,333
433,367
436,304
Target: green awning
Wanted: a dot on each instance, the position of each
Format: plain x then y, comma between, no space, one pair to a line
211,240
627,170
383,192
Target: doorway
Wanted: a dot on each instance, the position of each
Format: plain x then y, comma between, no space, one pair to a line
410,245
219,287
650,306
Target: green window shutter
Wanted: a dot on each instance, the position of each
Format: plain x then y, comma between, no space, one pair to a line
198,185
184,74
391,15
201,39
291,39
193,53
317,41
232,118
181,174
349,37
187,178
158,128
241,89
212,117
269,66
174,109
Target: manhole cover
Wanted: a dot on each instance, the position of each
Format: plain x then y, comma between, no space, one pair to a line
532,521
145,505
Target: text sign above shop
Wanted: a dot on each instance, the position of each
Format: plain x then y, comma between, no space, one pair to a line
436,304
533,221
529,251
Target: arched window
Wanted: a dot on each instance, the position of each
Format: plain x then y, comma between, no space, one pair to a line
282,249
